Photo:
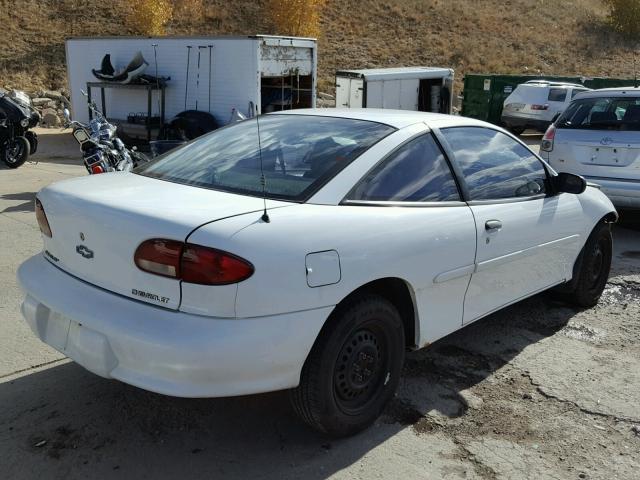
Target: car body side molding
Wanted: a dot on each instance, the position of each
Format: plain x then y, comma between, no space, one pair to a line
494,262
455,273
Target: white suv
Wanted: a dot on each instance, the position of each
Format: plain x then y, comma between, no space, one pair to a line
598,137
534,104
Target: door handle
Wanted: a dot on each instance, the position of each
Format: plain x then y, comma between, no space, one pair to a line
493,225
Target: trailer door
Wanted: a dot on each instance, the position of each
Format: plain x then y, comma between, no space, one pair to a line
356,93
408,94
342,91
349,92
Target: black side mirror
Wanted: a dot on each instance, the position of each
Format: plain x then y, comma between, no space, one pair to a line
569,183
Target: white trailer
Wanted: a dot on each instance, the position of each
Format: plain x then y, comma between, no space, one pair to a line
427,89
252,74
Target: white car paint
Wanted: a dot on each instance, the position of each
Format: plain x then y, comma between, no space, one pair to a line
518,108
254,336
610,158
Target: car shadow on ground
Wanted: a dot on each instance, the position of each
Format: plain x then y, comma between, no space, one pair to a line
63,419
27,199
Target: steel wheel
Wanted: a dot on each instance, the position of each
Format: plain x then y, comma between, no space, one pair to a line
594,264
597,264
353,368
360,369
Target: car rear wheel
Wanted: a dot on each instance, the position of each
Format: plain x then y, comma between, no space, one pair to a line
15,152
594,268
353,369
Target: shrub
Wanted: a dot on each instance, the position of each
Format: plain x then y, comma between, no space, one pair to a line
625,16
149,17
189,10
296,17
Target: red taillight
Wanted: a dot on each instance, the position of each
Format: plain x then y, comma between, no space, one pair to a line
191,263
547,139
209,266
43,223
539,107
97,169
159,256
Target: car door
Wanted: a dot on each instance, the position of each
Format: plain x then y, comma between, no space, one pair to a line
413,197
526,240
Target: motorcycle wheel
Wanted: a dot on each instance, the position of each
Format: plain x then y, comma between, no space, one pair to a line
16,152
33,141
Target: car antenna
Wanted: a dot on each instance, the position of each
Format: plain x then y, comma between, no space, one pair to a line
155,57
265,216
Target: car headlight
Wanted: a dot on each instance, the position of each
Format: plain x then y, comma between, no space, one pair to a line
24,122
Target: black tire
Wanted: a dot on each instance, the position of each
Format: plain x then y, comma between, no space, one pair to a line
33,141
595,265
517,130
353,368
16,152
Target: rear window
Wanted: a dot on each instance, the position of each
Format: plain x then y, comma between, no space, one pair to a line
622,113
557,94
298,154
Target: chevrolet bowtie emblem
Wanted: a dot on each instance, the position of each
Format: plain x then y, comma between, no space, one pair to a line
84,251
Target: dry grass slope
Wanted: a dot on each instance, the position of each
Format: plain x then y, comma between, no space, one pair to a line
568,37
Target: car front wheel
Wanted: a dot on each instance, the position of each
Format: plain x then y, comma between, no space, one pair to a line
353,369
594,269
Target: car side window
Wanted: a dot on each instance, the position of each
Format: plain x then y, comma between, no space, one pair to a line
495,166
416,172
557,94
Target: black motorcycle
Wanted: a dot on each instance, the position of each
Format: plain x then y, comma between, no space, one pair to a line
17,142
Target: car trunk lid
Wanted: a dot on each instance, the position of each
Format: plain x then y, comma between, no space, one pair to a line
99,221
603,153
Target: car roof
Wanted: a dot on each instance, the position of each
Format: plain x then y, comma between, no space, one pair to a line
605,92
548,83
394,118
373,74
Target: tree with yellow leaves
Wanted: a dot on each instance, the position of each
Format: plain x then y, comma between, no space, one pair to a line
299,18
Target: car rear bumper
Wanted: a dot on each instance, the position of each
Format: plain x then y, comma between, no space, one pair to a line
161,350
623,193
525,122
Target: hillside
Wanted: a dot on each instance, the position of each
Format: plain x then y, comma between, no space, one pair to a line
567,37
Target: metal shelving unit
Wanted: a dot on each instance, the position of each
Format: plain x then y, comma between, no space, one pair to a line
149,88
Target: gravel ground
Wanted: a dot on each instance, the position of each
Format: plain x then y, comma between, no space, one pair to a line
538,390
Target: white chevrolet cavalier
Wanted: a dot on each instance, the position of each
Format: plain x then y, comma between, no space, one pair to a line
306,250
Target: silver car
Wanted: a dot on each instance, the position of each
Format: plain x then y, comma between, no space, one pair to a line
598,137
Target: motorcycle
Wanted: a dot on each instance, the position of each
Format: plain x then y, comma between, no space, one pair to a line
102,151
17,116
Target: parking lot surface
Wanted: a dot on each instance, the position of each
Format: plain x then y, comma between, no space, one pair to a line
538,390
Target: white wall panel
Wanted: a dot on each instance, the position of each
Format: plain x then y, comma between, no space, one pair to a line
235,77
409,94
